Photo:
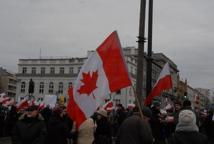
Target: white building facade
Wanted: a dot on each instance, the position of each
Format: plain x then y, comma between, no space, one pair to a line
54,75
50,76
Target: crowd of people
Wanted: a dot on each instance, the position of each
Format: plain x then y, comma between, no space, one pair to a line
179,124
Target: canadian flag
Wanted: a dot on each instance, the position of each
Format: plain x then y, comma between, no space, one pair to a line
164,82
104,72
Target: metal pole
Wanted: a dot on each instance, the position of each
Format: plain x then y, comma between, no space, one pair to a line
140,58
149,54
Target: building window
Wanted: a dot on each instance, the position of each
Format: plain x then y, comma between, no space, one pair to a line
60,87
71,70
42,70
52,70
51,87
23,85
24,70
61,70
79,68
41,87
33,70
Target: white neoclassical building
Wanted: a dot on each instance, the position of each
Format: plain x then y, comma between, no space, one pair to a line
50,75
54,75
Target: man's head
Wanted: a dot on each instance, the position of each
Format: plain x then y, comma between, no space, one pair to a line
101,113
147,114
187,103
156,104
186,121
32,111
177,105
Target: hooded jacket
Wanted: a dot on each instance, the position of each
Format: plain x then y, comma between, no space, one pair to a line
29,130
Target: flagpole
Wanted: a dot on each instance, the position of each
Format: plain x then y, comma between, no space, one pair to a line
138,103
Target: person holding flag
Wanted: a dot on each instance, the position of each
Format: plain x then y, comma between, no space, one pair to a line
164,82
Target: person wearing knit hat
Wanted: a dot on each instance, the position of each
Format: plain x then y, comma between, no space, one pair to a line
186,121
102,134
187,131
102,112
147,114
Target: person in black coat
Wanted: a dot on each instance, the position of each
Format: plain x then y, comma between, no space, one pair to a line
30,128
207,127
102,133
157,124
187,131
58,129
135,130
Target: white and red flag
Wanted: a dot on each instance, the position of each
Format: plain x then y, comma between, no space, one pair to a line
2,95
164,82
9,102
4,100
104,72
108,106
23,104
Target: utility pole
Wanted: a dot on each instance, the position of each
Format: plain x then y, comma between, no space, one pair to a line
140,58
149,51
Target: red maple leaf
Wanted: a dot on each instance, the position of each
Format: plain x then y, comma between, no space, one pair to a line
89,83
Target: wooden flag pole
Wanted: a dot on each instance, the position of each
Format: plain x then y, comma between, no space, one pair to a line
138,103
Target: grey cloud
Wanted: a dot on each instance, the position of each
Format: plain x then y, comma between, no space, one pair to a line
183,30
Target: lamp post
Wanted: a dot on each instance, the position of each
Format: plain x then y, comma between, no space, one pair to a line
140,58
149,51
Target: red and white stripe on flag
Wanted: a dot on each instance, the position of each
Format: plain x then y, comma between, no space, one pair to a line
23,104
164,82
108,106
104,72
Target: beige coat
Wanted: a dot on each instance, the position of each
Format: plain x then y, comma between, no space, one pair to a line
86,132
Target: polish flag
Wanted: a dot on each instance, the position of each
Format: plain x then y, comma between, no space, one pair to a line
4,100
108,106
23,104
104,72
164,82
41,105
2,95
131,106
9,103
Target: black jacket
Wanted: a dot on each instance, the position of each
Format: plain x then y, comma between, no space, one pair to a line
58,131
188,137
29,131
134,130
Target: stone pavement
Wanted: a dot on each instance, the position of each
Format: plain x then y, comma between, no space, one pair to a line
5,140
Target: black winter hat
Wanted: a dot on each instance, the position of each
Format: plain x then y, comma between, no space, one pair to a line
147,112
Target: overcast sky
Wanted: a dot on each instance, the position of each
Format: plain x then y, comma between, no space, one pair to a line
182,30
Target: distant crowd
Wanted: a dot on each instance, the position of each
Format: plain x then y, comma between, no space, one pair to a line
177,124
